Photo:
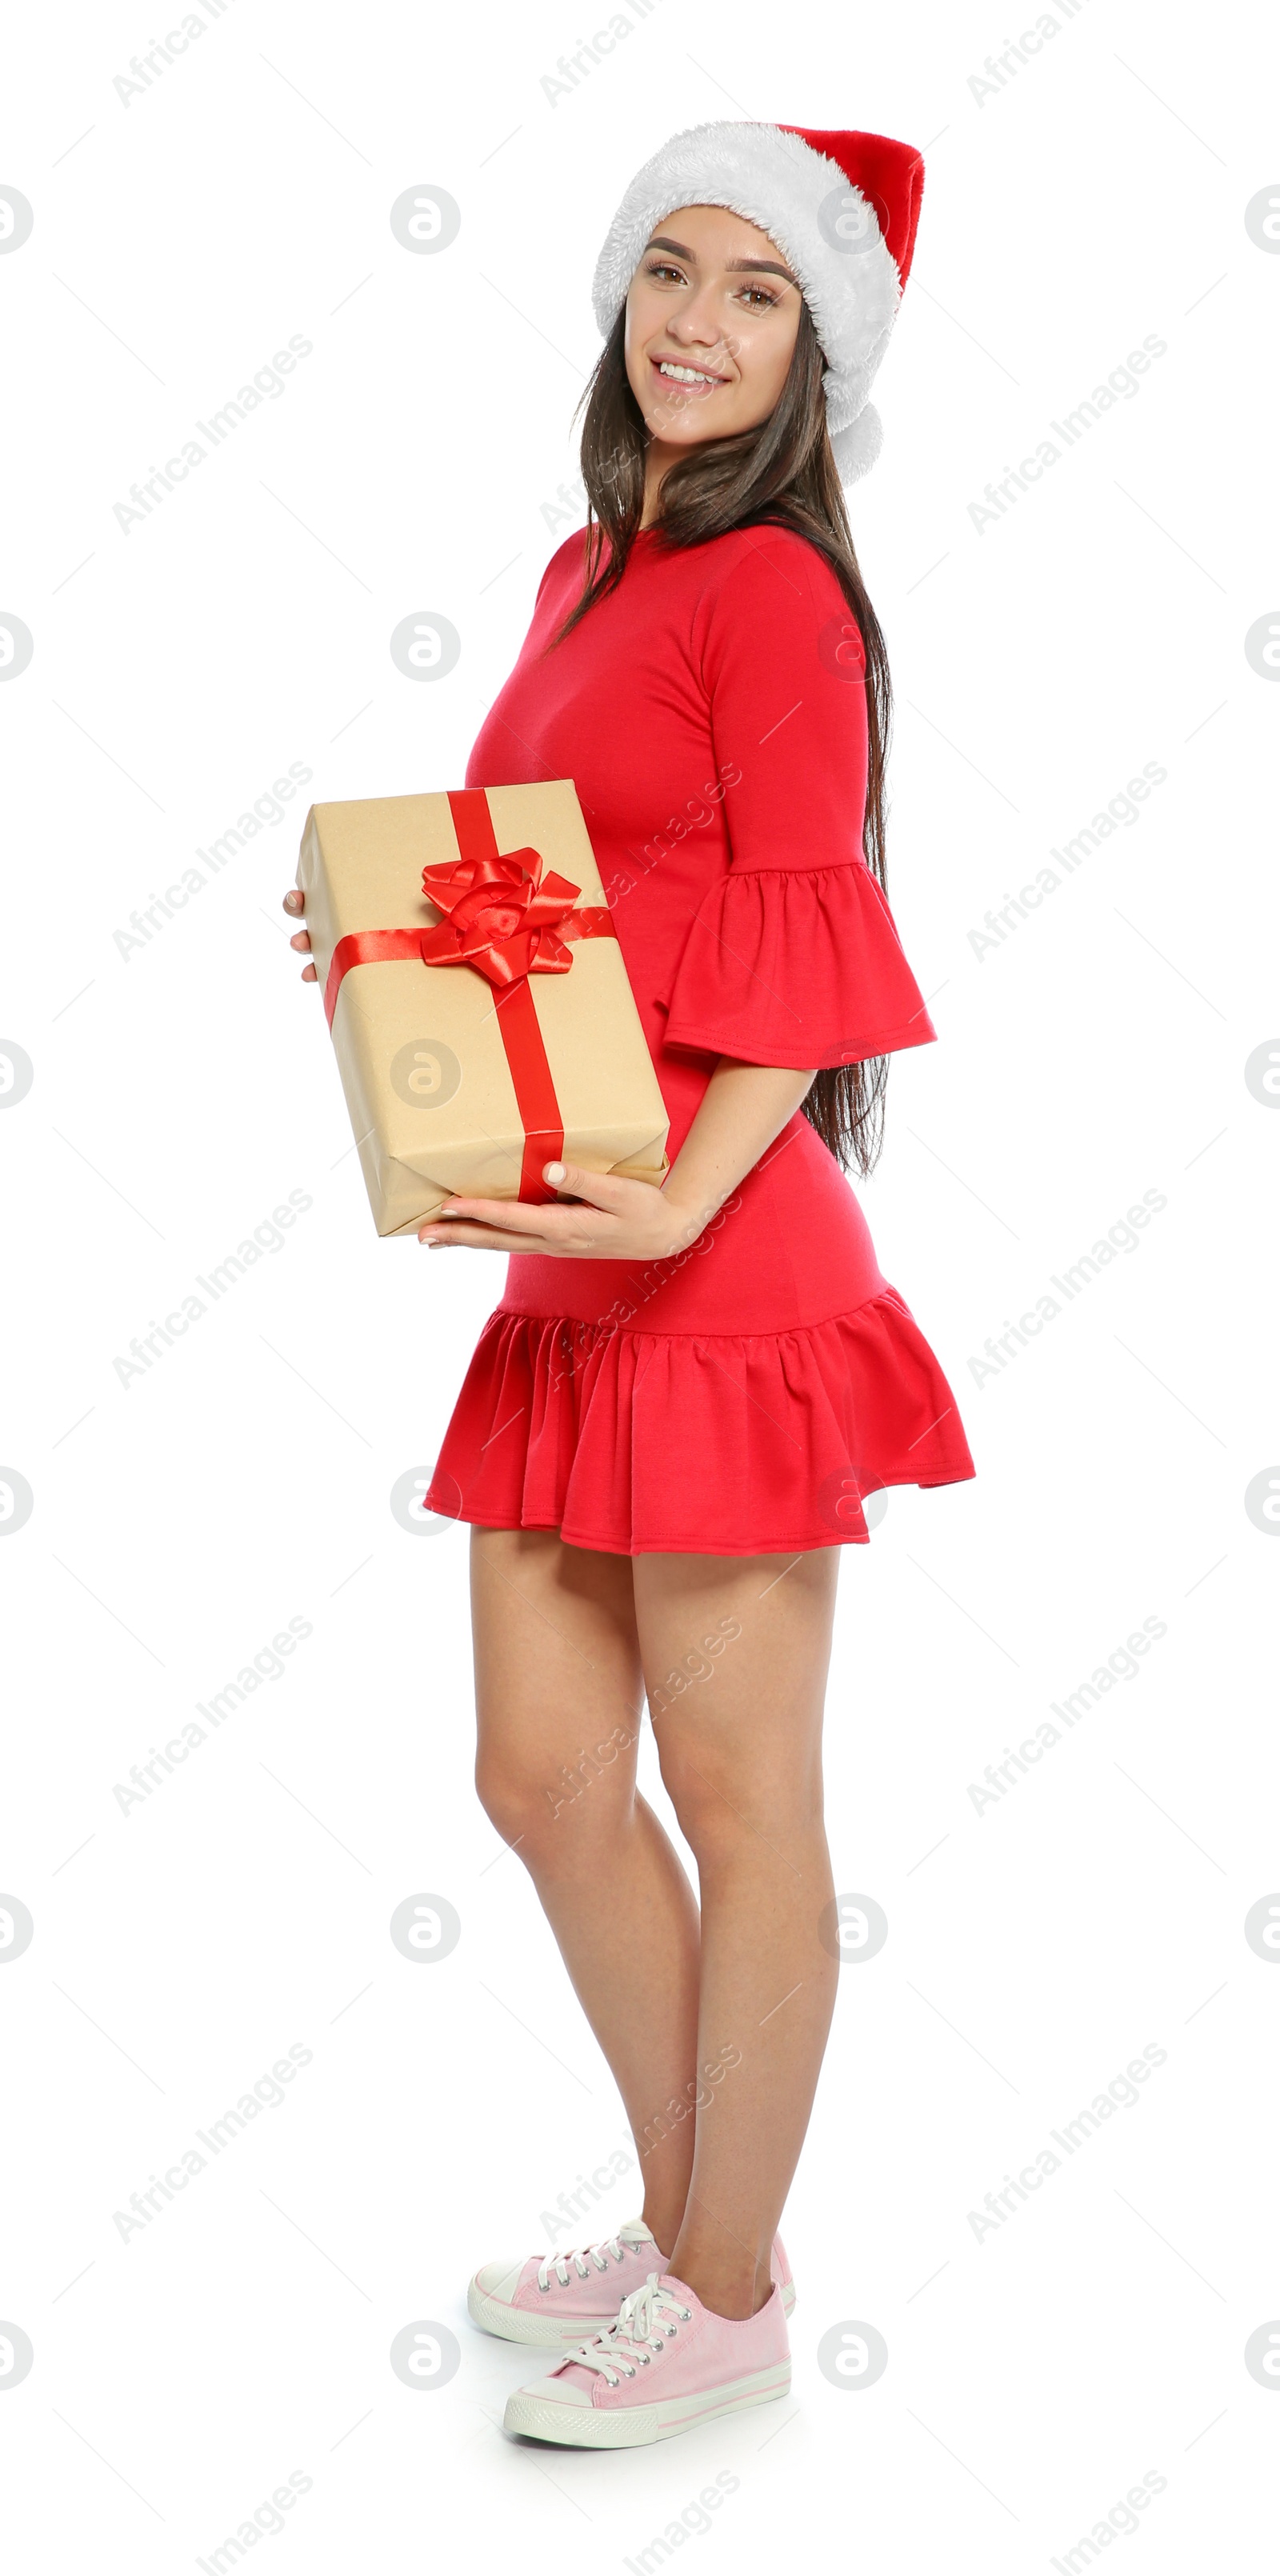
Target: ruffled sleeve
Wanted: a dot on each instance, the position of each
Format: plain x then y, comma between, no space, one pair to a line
793,957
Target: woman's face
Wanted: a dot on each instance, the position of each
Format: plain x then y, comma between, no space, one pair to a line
712,316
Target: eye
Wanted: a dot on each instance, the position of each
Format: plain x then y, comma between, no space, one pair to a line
763,299
664,268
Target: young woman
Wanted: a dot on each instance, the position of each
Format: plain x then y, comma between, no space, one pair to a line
669,1423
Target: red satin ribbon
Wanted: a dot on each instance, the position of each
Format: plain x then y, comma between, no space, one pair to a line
507,920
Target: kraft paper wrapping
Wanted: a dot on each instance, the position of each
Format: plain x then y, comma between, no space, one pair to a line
419,1048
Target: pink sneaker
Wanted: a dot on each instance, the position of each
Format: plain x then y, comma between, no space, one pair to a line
700,2365
562,2298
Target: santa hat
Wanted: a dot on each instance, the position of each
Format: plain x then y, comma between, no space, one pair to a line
843,210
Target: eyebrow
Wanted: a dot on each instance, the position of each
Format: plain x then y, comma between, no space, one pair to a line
772,267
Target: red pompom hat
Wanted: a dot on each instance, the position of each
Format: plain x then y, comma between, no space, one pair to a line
842,209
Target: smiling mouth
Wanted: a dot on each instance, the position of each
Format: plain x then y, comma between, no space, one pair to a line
674,373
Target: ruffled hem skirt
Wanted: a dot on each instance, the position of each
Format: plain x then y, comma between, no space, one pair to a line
715,1444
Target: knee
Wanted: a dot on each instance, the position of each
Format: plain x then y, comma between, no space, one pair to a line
723,1810
704,1812
504,1794
515,1800
535,1811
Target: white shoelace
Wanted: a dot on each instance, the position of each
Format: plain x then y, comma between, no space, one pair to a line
580,2255
641,2322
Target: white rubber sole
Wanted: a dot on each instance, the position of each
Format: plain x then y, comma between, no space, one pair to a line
550,2333
593,2428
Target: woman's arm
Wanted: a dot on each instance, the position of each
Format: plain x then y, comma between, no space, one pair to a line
743,1108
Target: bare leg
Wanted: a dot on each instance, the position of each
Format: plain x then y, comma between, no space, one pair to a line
741,1757
558,1692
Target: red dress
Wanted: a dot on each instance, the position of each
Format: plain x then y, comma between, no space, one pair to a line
740,1397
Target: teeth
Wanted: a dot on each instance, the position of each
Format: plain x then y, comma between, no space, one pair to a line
683,375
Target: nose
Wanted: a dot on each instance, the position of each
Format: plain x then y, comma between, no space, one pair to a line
698,322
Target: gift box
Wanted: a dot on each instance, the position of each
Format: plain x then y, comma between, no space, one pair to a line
476,995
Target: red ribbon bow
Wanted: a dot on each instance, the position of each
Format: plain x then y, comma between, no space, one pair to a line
505,918
501,915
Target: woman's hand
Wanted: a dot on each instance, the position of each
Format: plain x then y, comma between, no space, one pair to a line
614,1220
294,902
742,1111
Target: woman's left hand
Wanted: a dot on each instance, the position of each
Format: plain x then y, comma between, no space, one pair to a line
614,1220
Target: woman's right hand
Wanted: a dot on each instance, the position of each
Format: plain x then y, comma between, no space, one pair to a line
294,903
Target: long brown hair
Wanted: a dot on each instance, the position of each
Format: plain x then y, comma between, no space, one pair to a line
780,474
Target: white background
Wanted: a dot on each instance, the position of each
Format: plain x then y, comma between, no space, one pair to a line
181,1519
